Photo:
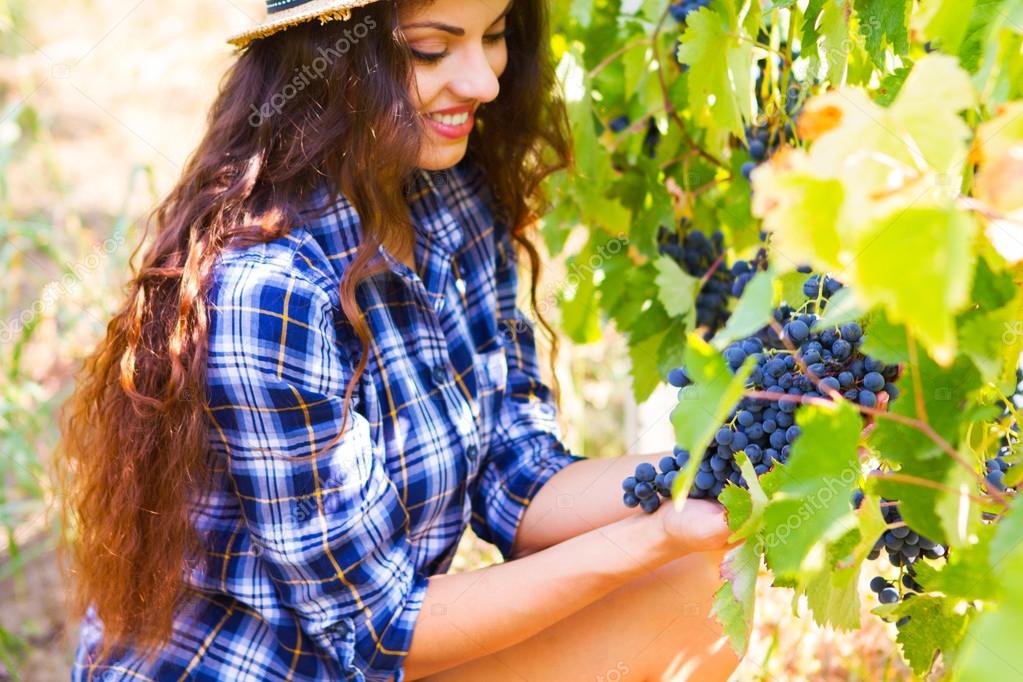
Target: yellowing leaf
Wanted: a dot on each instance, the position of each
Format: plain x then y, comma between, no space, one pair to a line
879,166
917,264
998,183
998,150
843,111
928,107
801,211
997,136
1007,238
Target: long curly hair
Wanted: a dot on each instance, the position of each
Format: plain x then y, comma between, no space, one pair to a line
134,452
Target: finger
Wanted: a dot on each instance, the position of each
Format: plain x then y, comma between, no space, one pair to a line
882,400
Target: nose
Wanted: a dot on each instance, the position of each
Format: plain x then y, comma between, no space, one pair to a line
475,77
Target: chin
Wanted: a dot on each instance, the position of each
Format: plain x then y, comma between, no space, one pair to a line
440,157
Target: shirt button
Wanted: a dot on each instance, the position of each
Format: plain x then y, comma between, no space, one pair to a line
440,374
340,628
472,451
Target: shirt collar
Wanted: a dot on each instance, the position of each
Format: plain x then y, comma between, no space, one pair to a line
433,199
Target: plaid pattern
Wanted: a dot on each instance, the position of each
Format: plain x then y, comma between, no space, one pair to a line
316,568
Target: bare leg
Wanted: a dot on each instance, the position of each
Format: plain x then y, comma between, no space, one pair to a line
652,629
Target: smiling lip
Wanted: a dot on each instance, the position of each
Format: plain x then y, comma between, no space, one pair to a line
457,121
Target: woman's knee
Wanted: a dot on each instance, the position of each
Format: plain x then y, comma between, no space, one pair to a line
692,646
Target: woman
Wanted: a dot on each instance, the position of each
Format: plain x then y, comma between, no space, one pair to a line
320,378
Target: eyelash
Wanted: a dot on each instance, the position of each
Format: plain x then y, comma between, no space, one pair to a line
429,58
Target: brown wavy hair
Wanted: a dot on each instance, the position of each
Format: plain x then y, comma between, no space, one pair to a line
134,450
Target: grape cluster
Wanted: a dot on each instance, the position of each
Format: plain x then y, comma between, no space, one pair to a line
647,486
904,548
619,123
652,139
680,10
888,593
996,467
759,142
901,543
697,254
743,270
994,473
1016,399
821,287
802,362
884,589
763,139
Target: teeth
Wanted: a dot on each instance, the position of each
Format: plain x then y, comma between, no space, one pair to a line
451,119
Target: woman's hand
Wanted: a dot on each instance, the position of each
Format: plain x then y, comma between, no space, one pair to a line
699,527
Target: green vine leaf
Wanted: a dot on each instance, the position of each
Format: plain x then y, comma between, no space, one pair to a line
704,404
812,504
883,23
734,600
719,54
676,288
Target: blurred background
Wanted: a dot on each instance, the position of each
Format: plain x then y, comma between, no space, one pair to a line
101,103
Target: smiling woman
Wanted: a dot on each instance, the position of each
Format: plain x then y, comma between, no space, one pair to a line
320,379
458,70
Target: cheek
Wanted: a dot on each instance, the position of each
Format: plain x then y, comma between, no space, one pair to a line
499,60
426,87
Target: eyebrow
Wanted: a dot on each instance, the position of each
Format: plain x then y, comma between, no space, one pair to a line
454,30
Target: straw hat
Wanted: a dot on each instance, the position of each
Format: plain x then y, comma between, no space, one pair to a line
280,14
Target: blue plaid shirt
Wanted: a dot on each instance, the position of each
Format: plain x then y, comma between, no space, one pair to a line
316,569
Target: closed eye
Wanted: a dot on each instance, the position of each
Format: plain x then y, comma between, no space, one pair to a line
496,37
434,57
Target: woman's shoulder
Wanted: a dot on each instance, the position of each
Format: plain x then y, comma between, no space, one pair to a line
312,253
289,261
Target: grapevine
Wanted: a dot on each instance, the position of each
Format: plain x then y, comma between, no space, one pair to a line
823,212
803,361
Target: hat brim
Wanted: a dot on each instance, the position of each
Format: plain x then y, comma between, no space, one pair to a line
324,10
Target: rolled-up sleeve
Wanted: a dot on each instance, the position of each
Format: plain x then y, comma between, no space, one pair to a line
328,523
526,446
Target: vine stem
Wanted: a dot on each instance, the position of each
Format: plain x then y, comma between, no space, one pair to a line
710,272
979,207
766,48
924,483
608,60
688,155
920,424
928,430
918,389
924,427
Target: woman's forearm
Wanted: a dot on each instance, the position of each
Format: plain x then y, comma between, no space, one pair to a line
469,615
584,495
